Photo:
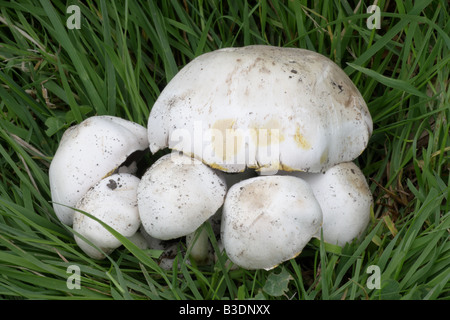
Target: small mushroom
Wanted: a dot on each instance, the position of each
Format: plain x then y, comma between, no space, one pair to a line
176,195
345,199
113,201
87,153
268,220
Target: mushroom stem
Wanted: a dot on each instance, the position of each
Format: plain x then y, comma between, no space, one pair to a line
198,246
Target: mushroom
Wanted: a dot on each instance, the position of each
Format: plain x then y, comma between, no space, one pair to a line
262,107
345,199
87,153
176,195
113,201
268,220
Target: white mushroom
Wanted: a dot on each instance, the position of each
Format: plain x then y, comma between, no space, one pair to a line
267,220
177,194
231,179
345,199
87,153
263,107
113,201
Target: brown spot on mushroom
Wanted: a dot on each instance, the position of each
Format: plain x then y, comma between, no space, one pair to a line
350,102
255,196
175,100
112,184
258,59
263,69
356,180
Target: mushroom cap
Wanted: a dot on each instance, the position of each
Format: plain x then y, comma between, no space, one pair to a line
87,153
345,198
267,220
113,201
177,194
262,107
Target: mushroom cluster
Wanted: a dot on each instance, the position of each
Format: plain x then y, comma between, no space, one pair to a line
93,171
262,138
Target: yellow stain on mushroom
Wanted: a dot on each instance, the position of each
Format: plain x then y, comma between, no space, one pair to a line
287,168
267,134
109,173
217,167
226,140
324,156
301,140
269,169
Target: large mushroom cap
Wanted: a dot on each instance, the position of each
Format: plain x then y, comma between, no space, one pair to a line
87,153
268,219
177,194
262,107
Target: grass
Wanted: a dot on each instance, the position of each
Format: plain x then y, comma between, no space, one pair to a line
52,77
